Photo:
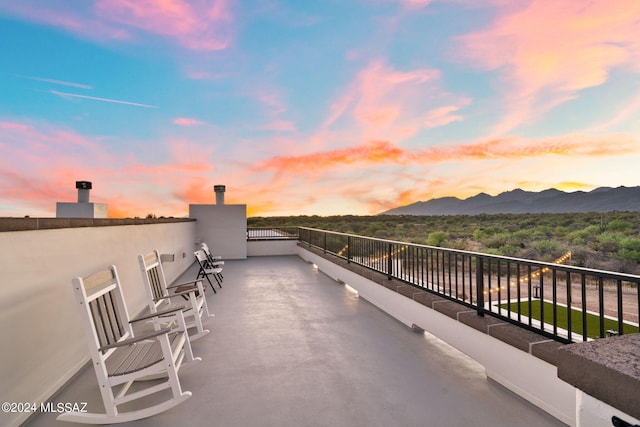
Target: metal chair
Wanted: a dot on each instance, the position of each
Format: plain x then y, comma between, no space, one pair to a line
205,270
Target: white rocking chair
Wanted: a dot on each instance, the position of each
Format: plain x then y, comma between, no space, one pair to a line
195,307
120,358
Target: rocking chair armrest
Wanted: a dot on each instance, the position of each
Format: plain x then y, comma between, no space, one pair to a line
134,340
176,294
184,292
146,316
194,282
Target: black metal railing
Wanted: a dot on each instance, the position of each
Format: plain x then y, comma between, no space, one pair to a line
272,233
562,302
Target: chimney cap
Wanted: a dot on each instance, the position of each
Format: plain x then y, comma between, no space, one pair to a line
218,188
83,185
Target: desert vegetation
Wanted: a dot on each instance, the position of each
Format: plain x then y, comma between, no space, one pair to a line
609,241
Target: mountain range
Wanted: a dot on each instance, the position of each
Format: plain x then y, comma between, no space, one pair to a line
603,199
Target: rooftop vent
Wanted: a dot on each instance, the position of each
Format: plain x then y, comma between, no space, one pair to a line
84,187
219,190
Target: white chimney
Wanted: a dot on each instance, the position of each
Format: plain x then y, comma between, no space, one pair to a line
84,187
219,189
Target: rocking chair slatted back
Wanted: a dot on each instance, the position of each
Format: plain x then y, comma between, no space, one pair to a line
155,275
106,319
103,299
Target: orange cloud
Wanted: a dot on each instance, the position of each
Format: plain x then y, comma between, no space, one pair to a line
371,153
384,152
549,50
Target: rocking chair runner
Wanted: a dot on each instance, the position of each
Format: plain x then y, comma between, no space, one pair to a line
159,298
120,358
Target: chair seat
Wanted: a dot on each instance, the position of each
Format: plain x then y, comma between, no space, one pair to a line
139,356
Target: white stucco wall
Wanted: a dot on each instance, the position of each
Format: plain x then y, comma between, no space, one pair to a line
81,210
272,247
43,343
591,412
223,228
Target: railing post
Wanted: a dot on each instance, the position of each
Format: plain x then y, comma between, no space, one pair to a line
480,285
389,262
324,244
348,249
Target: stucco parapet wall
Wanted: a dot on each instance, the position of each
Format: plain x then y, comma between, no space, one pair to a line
607,369
523,339
27,224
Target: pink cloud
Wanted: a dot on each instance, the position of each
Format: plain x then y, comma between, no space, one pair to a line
185,121
384,103
547,51
273,106
280,126
415,4
442,116
195,24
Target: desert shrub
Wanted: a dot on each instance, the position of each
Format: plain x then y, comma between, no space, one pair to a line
630,249
508,250
548,250
608,242
541,232
585,235
526,234
479,234
567,221
579,237
593,229
496,240
579,256
437,238
618,225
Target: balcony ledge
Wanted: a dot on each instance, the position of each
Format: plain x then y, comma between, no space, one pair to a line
607,369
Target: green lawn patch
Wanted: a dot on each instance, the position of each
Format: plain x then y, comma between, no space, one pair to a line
593,321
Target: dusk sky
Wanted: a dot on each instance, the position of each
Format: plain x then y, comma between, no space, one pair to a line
313,107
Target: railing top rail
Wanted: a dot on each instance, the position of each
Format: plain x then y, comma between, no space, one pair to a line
275,227
540,264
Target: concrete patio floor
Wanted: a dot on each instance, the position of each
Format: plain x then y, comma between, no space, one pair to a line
291,347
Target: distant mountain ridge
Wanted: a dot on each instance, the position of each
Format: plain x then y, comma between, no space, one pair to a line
603,199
